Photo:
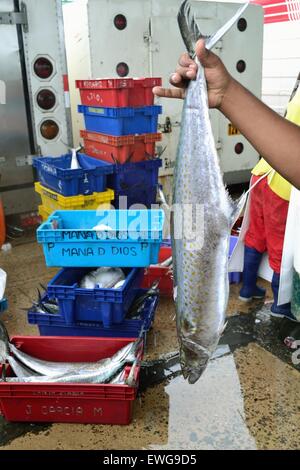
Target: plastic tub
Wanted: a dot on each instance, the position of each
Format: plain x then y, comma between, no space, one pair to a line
118,92
52,201
161,274
108,306
71,239
55,173
55,325
132,177
68,403
122,149
121,121
139,198
164,275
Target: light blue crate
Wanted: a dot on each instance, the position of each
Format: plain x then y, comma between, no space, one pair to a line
70,240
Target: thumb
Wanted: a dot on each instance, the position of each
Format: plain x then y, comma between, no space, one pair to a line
207,58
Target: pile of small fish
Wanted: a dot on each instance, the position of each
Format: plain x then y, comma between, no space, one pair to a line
46,306
30,369
103,278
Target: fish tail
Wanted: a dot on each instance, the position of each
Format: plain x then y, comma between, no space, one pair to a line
190,31
188,27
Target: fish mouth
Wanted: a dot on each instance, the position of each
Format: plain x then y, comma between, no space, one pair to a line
192,375
193,360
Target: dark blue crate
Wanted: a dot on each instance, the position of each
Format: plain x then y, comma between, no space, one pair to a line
54,325
137,182
71,239
3,305
55,173
140,199
107,306
135,176
121,121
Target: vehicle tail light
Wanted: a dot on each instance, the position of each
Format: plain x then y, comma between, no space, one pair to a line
49,129
46,99
43,68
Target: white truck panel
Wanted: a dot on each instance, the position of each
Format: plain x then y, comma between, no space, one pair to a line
45,37
151,44
78,56
281,63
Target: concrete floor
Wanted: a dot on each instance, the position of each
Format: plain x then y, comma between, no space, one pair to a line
248,398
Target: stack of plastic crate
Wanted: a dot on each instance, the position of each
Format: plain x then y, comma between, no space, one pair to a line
121,128
63,188
72,240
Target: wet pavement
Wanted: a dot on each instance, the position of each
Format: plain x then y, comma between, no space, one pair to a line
248,398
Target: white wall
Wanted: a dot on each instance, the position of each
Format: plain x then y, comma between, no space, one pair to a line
281,62
78,55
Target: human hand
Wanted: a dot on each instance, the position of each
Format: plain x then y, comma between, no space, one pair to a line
217,77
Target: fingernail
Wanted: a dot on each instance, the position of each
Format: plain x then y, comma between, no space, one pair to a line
174,77
190,73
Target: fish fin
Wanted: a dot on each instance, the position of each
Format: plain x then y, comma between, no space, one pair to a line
223,328
39,296
4,339
212,40
237,207
128,159
162,198
162,152
131,380
188,27
116,162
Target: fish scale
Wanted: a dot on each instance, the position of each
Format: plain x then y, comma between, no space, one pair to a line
201,284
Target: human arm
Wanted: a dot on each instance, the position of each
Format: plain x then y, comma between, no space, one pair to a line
277,139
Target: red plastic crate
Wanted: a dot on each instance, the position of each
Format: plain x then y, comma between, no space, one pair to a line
155,273
119,149
69,403
118,92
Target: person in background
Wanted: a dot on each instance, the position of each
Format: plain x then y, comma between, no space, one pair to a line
276,138
269,203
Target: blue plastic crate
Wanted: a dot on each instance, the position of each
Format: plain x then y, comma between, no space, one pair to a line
108,306
70,238
121,121
54,325
55,173
137,182
132,177
140,199
3,305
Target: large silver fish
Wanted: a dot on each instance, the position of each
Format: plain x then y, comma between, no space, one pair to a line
202,206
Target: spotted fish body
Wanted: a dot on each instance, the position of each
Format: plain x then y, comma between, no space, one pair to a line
201,284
